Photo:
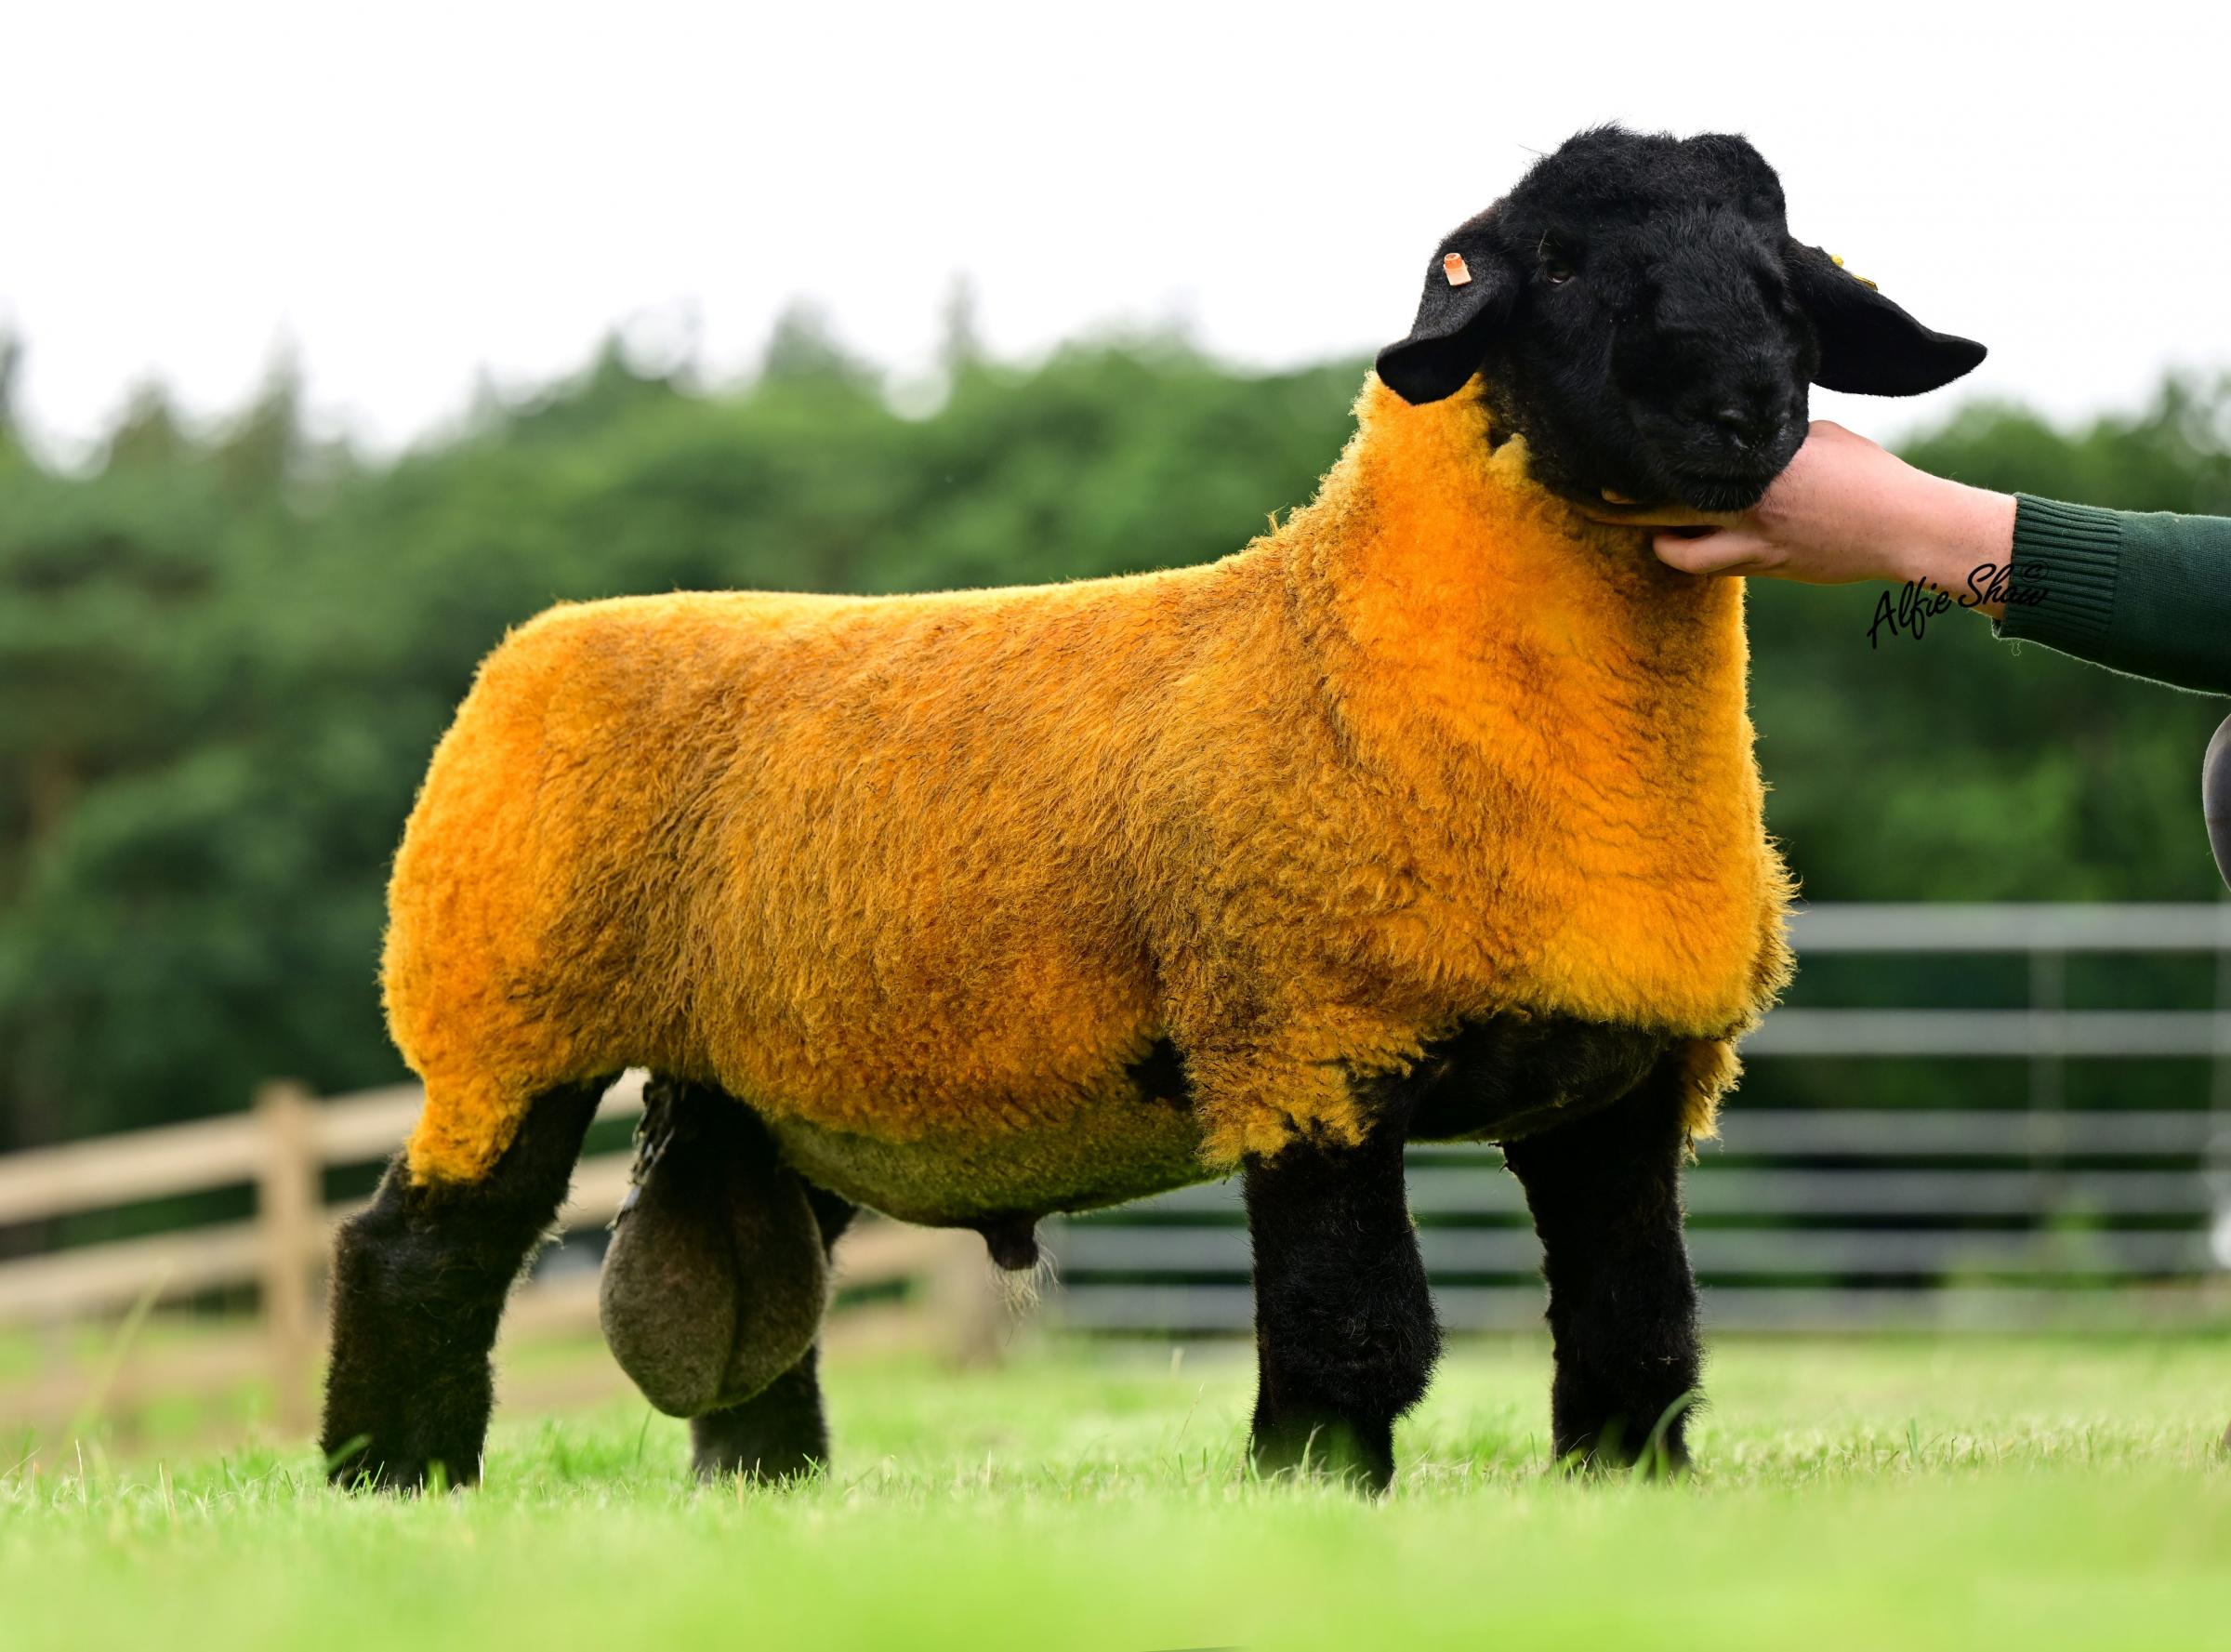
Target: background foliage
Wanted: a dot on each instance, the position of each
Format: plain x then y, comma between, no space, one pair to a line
226,654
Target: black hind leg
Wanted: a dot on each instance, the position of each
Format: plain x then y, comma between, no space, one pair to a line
418,1287
780,1433
1605,1194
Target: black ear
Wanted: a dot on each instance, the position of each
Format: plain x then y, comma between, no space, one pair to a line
1867,344
1468,291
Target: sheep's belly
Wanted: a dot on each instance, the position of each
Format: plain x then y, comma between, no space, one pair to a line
1112,1151
1498,1078
1503,1078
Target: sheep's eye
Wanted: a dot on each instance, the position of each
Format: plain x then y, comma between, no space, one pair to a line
1555,270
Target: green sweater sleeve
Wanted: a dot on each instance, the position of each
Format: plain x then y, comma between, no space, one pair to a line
2145,592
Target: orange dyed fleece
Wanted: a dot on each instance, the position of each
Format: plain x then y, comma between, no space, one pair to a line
939,866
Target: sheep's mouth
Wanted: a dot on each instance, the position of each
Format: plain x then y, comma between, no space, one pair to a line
1705,475
1722,490
1733,487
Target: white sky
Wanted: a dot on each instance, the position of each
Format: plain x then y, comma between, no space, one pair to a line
410,194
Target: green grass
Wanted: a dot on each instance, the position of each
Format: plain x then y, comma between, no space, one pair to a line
1864,1495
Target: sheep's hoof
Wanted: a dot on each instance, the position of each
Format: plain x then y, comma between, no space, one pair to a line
1329,1447
400,1476
716,1277
1611,1453
1593,1466
777,1438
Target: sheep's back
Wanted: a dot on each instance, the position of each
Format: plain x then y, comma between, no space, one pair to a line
864,862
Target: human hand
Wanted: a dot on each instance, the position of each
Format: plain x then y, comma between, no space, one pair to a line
1844,510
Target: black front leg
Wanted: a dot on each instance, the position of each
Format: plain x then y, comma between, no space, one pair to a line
1344,1327
1605,1194
418,1287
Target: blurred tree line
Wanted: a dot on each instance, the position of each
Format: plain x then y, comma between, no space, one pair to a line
225,654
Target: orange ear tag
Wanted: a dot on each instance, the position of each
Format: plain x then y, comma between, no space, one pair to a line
1453,267
1854,275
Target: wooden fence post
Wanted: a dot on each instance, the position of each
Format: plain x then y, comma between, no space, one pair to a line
972,1314
288,1208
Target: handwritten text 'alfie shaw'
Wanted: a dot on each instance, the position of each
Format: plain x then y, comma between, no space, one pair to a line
1919,600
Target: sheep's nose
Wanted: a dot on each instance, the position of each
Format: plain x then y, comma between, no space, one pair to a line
1750,425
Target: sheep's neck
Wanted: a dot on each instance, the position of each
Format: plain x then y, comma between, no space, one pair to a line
1566,715
1455,588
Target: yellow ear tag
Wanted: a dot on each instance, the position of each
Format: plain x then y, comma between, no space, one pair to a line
1862,280
1453,267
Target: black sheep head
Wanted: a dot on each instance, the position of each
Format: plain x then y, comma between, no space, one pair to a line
1643,318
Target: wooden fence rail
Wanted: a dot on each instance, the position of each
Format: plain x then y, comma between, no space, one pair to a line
1804,1217
1821,1218
283,1147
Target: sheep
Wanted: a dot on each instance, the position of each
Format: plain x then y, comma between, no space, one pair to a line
1432,813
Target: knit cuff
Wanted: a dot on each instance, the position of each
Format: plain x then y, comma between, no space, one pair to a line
2070,553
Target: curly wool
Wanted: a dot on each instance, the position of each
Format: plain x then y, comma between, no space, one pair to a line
946,867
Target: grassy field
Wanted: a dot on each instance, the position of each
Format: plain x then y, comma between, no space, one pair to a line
1863,1495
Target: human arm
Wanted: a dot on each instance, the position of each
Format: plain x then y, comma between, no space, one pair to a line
2148,593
